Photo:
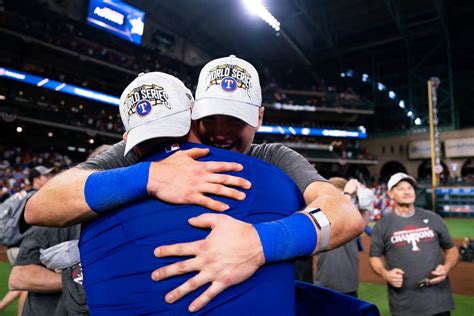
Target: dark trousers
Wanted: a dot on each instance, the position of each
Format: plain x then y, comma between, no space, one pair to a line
353,294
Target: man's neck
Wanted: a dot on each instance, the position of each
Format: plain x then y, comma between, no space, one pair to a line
405,210
193,137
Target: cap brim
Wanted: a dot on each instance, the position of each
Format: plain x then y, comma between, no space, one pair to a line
176,125
212,106
409,179
48,171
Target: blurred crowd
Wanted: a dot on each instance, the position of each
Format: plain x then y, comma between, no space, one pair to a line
16,164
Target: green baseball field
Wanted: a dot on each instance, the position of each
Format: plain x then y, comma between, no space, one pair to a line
371,292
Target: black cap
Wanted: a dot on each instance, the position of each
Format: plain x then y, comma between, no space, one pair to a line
39,171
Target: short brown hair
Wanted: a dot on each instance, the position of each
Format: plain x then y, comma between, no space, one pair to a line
338,182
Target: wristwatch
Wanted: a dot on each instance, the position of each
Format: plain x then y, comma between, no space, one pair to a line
324,225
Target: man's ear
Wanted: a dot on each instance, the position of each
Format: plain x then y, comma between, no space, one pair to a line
260,117
390,194
125,136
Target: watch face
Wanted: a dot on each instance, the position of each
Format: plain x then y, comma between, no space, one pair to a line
314,211
320,218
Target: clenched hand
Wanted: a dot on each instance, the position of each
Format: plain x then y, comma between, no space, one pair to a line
395,277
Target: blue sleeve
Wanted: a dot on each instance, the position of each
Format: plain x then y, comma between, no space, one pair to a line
368,230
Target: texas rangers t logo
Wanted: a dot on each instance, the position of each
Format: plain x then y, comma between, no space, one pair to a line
229,84
143,107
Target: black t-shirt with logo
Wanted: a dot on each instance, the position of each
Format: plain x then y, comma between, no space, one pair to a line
414,245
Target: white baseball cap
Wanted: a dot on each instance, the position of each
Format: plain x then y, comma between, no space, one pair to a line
155,105
228,86
397,177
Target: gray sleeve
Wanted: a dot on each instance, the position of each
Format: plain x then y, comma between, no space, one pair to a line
288,160
444,238
376,241
36,239
110,159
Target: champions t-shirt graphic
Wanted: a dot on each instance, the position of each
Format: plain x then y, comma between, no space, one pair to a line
229,77
412,236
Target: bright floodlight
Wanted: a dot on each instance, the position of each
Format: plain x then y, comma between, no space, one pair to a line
392,95
418,121
365,77
401,104
410,114
256,7
380,86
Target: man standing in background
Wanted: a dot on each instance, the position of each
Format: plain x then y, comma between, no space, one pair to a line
410,240
338,269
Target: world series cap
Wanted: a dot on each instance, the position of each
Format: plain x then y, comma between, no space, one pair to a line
154,105
228,86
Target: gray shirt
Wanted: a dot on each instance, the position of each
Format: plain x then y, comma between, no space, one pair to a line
338,269
288,160
46,304
414,245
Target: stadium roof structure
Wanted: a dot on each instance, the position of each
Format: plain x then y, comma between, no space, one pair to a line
402,43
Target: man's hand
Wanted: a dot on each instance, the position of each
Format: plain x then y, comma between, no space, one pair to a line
180,179
230,254
394,277
351,186
440,273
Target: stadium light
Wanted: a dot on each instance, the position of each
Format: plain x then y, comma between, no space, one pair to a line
391,94
19,129
256,7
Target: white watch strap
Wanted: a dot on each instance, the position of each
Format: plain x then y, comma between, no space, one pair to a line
324,226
